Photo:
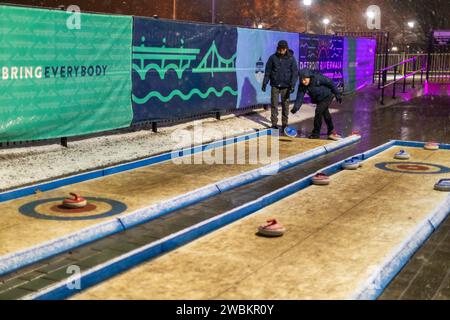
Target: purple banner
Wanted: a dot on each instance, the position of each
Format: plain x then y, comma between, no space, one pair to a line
324,54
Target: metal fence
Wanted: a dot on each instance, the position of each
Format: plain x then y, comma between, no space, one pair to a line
439,68
413,67
439,63
436,60
433,67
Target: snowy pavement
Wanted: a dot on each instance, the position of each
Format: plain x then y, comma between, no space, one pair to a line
29,165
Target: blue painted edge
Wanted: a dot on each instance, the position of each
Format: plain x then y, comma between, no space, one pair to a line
375,286
384,275
19,193
150,213
418,144
140,255
21,259
46,186
283,164
120,264
13,261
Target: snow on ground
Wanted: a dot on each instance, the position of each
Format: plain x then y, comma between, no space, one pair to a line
29,165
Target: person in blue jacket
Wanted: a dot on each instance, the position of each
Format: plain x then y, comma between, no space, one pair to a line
282,72
321,90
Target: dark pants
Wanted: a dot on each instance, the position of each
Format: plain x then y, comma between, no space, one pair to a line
322,111
275,96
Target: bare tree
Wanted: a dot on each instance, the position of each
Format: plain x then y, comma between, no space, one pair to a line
427,15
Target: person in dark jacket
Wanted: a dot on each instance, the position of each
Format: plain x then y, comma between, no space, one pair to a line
321,90
282,72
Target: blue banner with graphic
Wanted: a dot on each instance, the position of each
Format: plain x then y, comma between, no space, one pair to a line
324,54
182,69
254,49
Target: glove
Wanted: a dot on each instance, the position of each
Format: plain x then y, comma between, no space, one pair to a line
264,88
291,90
339,99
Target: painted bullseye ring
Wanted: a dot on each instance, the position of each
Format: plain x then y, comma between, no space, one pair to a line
30,209
61,209
412,167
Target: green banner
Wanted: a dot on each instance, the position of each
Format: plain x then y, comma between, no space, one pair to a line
63,73
350,64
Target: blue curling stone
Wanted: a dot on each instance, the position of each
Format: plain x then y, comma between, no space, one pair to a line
402,155
290,132
351,164
358,159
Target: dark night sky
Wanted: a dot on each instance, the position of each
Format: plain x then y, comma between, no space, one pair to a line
289,15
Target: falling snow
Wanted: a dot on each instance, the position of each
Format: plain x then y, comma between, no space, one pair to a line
286,15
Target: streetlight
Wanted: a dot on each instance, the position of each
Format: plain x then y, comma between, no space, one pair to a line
370,14
326,22
411,24
260,26
373,14
307,4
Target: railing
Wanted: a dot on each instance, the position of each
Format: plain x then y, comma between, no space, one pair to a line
439,66
410,68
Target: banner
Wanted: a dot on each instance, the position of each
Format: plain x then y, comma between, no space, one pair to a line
67,74
254,49
365,61
359,62
350,64
324,54
63,74
182,69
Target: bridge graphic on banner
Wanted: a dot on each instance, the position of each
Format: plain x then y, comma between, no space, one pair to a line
213,62
179,60
163,59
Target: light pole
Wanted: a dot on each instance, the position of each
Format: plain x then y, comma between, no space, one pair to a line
213,11
307,4
174,16
411,25
325,22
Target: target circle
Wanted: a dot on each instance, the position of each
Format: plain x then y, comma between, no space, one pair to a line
413,167
62,209
51,209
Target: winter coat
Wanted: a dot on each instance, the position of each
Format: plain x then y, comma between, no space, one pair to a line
282,71
319,88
